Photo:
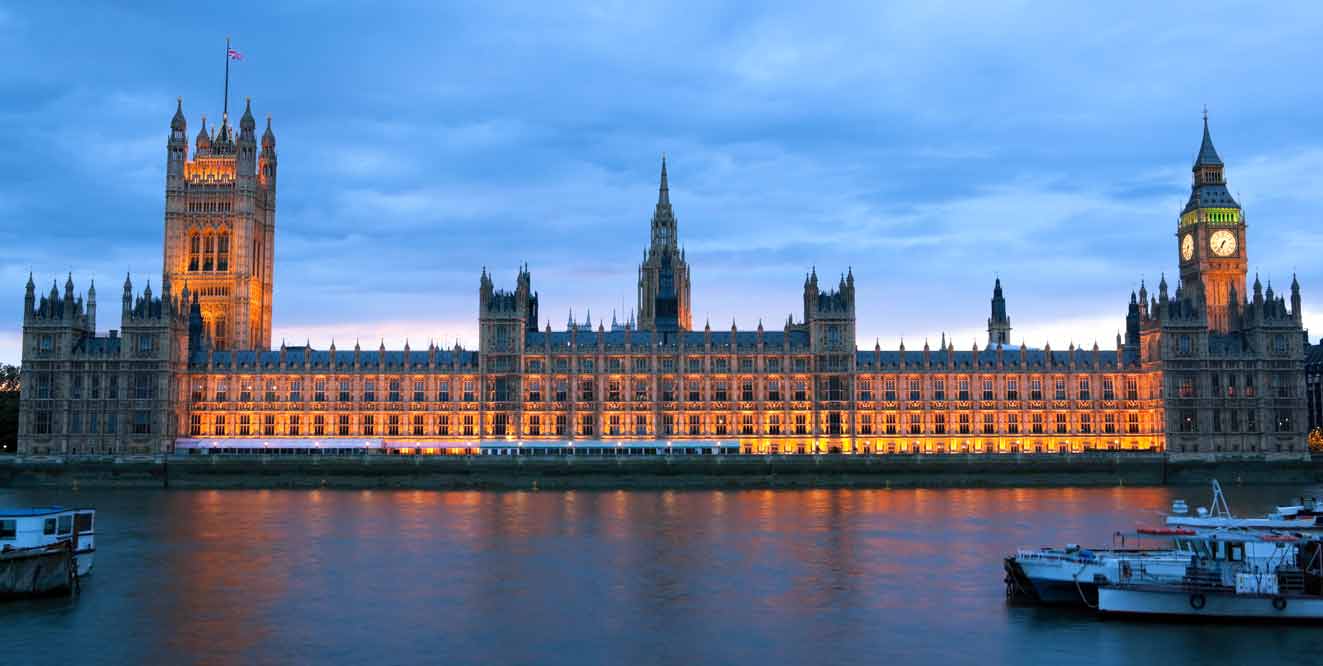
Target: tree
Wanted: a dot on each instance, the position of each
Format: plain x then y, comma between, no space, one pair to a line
8,408
1316,440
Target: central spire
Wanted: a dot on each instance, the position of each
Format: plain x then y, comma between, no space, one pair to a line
1207,153
664,192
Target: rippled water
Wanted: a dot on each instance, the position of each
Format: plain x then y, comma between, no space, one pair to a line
686,577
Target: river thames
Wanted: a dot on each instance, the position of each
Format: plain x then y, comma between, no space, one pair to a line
616,577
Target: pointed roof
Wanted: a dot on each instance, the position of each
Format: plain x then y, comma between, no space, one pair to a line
1207,154
178,122
247,122
664,191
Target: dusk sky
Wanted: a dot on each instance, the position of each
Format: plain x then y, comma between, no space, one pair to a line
930,146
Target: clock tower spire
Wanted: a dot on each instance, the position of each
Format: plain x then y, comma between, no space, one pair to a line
1210,236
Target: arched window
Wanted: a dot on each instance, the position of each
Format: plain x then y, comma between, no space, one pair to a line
223,252
194,251
208,252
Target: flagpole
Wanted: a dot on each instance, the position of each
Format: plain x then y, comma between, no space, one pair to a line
226,108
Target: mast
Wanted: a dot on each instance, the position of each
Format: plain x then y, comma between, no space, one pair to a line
226,106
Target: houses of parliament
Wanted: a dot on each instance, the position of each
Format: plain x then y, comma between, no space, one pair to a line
1212,365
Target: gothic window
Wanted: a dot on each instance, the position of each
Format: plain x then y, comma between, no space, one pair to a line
223,253
964,424
245,424
746,424
534,425
586,425
562,390
534,391
319,425
208,253
695,393
560,425
1061,423
1084,388
369,425
394,388
270,391
613,390
1035,389
342,425
801,424
640,424
195,425
393,425
989,423
296,390
218,425
891,424
773,364
269,424
721,394
468,390
194,251
963,388
1013,424
890,389
1059,388
1086,423
1109,423
1187,422
746,390
1012,389
916,424
641,389
801,390
721,364
1131,388
344,391
774,390
222,391
419,390
443,425
1036,423
1132,423
443,391
586,391
370,391
1109,388
774,425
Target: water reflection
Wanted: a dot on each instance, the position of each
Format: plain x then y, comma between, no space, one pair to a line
581,577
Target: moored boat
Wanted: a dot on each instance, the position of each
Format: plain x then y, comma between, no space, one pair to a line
37,571
23,529
1243,576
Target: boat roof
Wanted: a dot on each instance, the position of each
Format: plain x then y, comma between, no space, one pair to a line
37,511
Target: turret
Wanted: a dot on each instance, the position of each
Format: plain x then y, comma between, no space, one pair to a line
128,297
29,298
202,146
999,324
1296,313
91,306
246,145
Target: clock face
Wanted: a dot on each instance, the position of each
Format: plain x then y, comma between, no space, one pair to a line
1187,247
1222,243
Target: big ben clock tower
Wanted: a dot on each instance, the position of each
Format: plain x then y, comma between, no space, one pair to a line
1211,237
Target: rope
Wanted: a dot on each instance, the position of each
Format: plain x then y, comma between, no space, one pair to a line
1076,577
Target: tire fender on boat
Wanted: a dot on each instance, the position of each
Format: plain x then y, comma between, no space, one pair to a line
1279,603
1197,601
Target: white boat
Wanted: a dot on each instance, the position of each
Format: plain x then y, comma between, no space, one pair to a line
1071,575
1247,576
1218,515
43,526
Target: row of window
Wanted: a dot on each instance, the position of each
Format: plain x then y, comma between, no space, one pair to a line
833,423
91,423
142,386
1230,420
501,389
1230,386
209,252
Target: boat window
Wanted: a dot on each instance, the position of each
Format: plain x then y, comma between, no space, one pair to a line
50,526
1235,552
66,524
8,530
83,523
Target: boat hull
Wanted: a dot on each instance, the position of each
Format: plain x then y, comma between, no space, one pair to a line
1173,602
34,572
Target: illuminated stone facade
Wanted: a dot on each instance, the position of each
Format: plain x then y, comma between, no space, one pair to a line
1191,374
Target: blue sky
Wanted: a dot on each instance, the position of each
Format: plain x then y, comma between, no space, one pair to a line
930,146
